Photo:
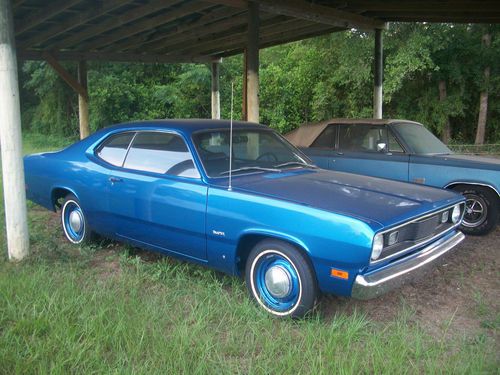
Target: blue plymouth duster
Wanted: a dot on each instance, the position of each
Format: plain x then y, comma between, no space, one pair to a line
405,151
262,210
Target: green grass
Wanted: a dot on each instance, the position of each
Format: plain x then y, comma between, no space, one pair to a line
101,309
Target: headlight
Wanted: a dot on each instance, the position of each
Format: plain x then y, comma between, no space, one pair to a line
378,245
445,216
455,215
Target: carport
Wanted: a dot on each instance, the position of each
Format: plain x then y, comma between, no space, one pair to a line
177,31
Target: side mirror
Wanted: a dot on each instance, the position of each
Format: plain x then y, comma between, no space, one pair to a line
382,147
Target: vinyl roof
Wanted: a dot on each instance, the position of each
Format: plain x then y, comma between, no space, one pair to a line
189,30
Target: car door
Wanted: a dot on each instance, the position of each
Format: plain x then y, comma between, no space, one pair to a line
370,150
158,198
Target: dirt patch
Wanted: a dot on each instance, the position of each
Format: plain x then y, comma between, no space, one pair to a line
460,296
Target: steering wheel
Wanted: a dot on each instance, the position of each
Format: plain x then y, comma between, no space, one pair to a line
268,155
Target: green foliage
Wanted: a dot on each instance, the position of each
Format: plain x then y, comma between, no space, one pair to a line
311,80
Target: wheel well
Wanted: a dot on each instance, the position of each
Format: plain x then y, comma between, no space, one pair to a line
247,243
57,195
465,184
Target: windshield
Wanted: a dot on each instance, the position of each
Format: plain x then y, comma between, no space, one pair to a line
253,151
421,140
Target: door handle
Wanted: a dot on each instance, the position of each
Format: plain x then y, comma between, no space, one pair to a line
115,179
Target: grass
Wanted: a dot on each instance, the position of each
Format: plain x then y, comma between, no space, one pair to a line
104,309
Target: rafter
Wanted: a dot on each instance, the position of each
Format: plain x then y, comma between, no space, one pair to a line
311,12
110,56
159,37
145,24
43,14
72,22
114,22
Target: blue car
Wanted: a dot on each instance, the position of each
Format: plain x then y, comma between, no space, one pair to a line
246,202
406,151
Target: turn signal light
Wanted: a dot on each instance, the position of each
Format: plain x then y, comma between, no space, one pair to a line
339,273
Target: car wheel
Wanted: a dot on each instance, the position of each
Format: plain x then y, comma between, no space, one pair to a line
481,209
74,222
281,279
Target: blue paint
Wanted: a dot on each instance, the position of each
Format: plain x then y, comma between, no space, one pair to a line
331,216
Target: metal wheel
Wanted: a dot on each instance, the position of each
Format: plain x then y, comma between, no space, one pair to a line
73,220
280,279
476,211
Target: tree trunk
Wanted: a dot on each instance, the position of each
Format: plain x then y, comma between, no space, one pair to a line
446,133
483,98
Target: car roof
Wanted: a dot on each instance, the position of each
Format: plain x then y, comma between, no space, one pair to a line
186,126
306,134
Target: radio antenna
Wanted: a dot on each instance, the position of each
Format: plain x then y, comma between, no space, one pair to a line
229,188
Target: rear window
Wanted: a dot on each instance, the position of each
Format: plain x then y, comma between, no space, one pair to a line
326,139
164,153
114,149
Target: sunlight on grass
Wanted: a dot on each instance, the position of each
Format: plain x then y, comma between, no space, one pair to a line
103,309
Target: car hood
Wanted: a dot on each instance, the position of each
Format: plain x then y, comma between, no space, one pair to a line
371,199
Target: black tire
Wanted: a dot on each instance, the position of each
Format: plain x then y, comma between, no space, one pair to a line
293,298
74,221
481,209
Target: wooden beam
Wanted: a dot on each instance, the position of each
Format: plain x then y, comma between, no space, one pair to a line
223,42
65,75
144,41
71,22
312,12
11,147
45,13
420,6
379,74
197,30
18,3
83,101
116,57
200,34
114,22
299,33
215,90
252,64
145,24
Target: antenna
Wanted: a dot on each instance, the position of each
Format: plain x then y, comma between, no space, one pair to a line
229,188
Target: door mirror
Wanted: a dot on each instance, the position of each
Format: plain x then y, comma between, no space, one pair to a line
381,147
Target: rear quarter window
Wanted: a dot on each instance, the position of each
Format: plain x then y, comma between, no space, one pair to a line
114,149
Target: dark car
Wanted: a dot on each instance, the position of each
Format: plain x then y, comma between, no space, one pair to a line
405,151
291,228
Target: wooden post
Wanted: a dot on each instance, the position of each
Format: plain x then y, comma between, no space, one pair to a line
83,101
10,138
252,63
215,90
244,113
379,75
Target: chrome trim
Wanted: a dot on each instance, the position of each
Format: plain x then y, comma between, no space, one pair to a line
381,281
472,183
421,243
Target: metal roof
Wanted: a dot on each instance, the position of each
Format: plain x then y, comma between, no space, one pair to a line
188,30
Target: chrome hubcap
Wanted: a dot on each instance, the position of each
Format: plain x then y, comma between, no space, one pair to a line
75,221
278,281
475,212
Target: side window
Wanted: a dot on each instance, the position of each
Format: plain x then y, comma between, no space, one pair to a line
394,145
114,149
161,153
326,139
361,137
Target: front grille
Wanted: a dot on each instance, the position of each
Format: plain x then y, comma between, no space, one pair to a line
416,233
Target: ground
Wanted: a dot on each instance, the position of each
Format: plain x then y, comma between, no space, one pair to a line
110,308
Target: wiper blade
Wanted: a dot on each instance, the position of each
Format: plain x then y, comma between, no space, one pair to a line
255,168
295,163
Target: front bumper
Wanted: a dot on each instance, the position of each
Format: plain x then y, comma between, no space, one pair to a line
381,281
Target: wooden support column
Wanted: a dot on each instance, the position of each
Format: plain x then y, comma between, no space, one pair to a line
83,101
252,63
378,75
10,138
244,113
80,87
215,90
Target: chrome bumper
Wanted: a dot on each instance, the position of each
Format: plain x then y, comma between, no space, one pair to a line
381,281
